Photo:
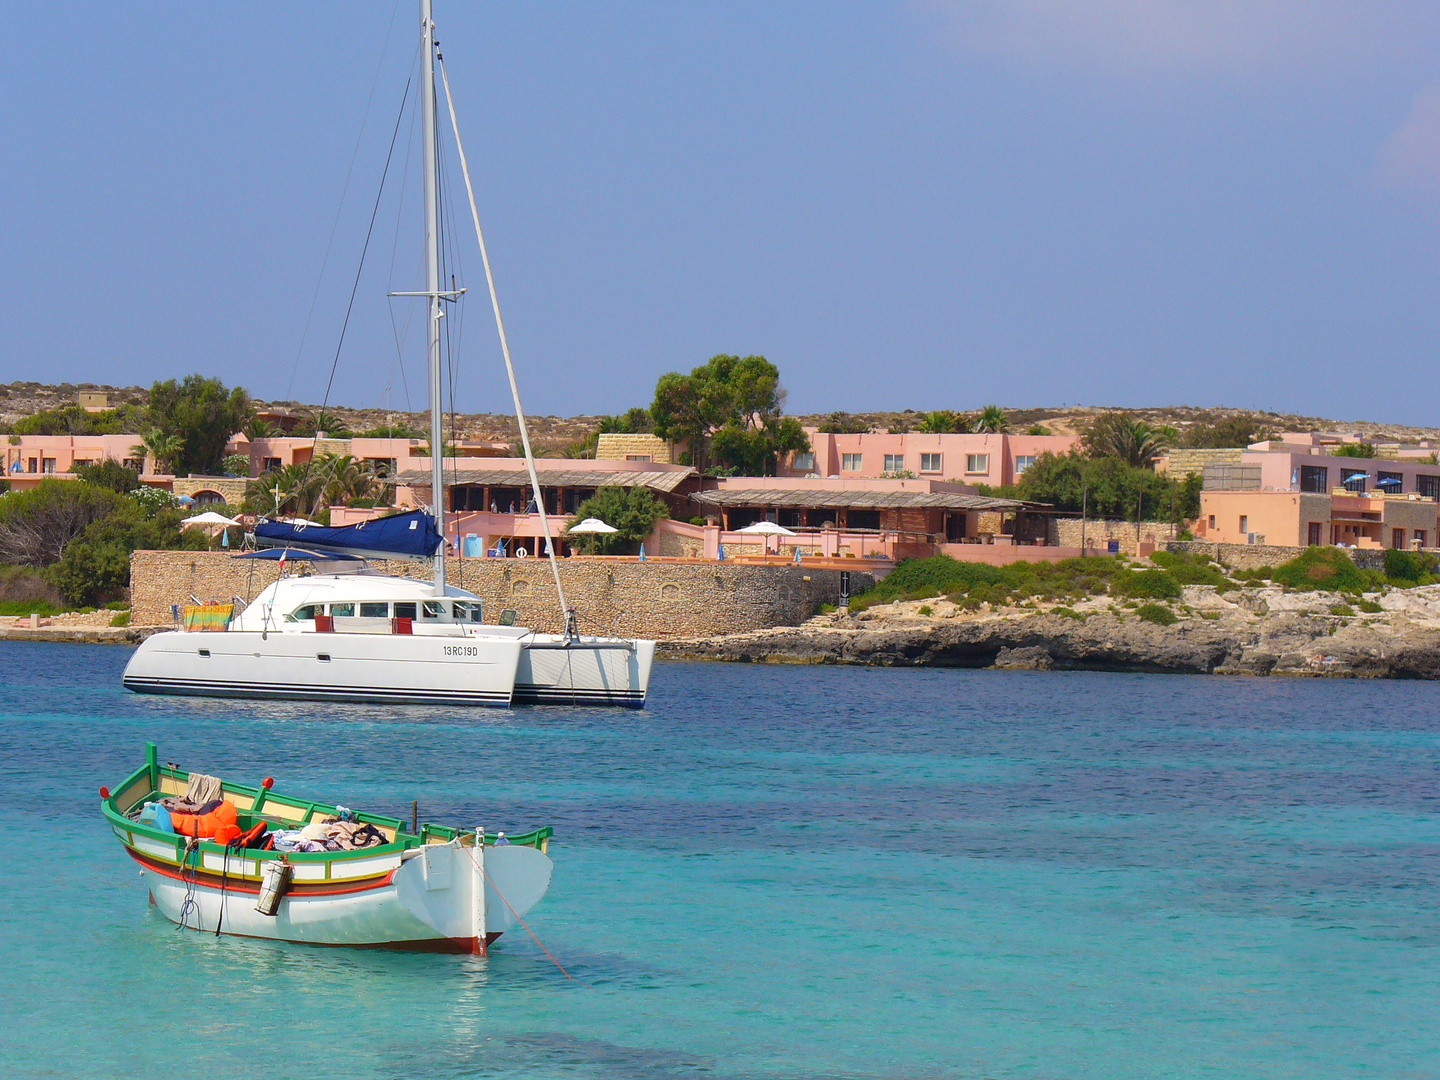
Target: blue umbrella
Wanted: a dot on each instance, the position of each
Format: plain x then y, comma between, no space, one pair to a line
1390,480
721,556
642,551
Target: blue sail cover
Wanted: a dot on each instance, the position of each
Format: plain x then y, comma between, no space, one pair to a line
403,536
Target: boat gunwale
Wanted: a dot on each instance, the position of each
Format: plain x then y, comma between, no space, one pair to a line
152,771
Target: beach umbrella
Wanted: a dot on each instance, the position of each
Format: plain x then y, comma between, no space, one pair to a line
642,551
766,528
721,556
209,517
592,525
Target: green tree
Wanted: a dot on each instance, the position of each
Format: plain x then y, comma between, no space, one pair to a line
1107,487
36,525
633,511
95,567
1115,435
345,479
843,423
992,420
110,474
262,429
1356,450
1037,429
73,420
202,415
322,420
942,422
728,410
1227,431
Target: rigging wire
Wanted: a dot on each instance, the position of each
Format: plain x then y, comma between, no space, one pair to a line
566,612
395,331
344,190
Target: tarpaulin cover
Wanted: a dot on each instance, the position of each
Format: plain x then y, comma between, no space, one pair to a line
403,536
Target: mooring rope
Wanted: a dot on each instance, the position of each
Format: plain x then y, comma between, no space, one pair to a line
521,921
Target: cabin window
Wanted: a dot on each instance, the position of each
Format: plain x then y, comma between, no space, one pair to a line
405,611
433,609
305,612
344,611
471,610
374,611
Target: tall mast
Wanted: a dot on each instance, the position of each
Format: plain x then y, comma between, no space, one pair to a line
432,292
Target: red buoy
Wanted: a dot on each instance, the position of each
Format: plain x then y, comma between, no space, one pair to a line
104,792
268,783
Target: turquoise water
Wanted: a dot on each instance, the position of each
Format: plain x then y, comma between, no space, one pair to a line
775,872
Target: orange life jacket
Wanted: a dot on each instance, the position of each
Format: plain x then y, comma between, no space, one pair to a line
205,826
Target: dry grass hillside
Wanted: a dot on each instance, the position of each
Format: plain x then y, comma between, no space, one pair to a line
551,434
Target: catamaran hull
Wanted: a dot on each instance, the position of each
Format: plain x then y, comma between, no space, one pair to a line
584,672
429,902
418,669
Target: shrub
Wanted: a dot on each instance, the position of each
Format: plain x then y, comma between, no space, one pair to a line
121,618
1342,609
633,511
926,609
1146,584
1211,615
1325,568
1155,613
1409,567
1369,607
1190,569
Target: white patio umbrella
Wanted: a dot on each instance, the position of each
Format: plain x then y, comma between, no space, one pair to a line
209,517
766,528
592,525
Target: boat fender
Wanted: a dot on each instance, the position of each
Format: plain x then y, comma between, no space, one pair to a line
275,879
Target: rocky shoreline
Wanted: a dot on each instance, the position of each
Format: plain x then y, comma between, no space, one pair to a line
1264,631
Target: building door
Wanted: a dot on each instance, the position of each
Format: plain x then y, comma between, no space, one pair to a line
1314,538
1397,538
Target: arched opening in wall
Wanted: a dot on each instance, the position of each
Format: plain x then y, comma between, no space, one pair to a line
208,498
520,588
669,592
782,594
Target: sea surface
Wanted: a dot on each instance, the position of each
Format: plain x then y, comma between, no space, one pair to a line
773,872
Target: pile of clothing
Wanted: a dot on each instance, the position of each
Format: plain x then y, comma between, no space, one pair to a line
331,834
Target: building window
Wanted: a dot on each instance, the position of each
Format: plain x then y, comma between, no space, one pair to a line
637,457
81,463
1391,483
270,464
977,463
1244,523
34,465
138,464
805,462
930,462
1212,521
1023,462
1420,537
1428,486
1354,480
47,465
894,462
862,519
850,462
383,466
1315,479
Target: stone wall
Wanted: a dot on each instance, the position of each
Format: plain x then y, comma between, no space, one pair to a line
1065,532
231,488
1254,556
1181,463
650,599
614,446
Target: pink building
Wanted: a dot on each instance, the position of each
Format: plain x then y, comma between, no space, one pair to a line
390,456
29,459
964,459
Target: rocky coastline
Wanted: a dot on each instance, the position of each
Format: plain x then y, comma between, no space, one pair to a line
1250,631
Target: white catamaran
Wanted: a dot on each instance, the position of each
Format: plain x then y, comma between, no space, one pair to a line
346,633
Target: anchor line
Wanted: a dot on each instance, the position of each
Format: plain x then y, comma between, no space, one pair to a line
521,921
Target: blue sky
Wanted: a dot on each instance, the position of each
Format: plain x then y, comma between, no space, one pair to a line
917,204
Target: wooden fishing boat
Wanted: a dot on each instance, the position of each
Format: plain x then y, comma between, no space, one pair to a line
432,888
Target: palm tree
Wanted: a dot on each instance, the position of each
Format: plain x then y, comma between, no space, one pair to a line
942,422
161,448
262,429
991,420
1120,436
345,478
